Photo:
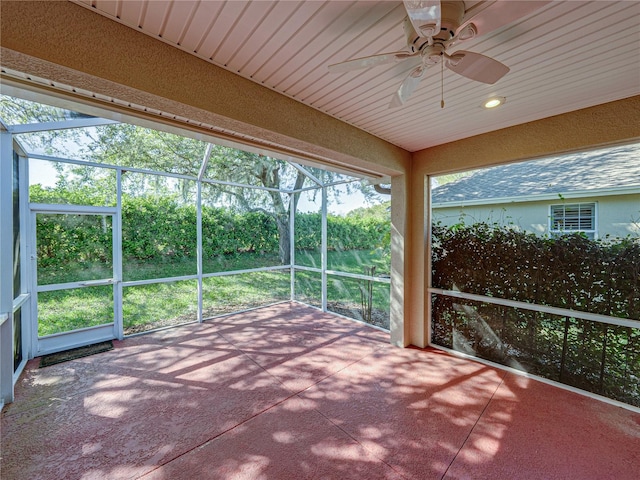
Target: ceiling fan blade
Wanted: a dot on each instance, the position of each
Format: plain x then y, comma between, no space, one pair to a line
407,87
425,16
371,61
477,67
490,15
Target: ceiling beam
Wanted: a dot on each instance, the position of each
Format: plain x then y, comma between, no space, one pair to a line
612,123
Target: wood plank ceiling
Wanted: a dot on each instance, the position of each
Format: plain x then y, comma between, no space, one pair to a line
564,56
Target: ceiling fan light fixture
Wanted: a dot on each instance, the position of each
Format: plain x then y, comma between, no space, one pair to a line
493,102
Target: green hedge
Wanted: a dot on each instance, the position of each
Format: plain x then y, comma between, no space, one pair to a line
570,272
158,228
85,239
343,233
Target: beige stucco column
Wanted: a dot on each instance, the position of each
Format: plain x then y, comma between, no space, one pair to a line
612,123
408,269
400,236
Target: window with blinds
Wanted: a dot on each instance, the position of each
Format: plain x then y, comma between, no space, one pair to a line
577,217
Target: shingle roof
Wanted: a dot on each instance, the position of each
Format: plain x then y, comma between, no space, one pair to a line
596,170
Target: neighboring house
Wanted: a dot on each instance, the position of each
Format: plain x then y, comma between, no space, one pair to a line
596,192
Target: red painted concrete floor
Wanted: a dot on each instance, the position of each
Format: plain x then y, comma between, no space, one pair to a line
287,392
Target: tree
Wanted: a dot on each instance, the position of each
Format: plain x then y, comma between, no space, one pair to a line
451,177
252,169
15,111
132,146
128,145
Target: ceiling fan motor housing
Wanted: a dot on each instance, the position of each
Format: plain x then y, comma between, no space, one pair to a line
452,14
432,54
452,25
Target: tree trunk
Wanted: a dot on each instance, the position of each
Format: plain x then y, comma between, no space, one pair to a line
269,176
284,248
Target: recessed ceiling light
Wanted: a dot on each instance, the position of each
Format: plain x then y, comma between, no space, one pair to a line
494,102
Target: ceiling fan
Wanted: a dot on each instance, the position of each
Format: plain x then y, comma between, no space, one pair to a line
433,27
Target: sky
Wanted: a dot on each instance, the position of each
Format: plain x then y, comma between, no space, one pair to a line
42,172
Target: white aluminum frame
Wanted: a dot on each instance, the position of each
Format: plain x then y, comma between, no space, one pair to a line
60,125
23,301
562,312
84,336
323,249
200,275
323,270
6,267
9,372
34,346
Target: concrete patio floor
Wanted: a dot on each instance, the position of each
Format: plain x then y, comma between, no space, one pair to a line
289,392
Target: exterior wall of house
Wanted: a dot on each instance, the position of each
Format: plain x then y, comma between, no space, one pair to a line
619,216
616,216
528,216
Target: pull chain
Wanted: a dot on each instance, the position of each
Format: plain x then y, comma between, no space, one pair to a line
442,83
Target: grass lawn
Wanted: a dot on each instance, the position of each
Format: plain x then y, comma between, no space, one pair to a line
151,306
351,261
65,310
